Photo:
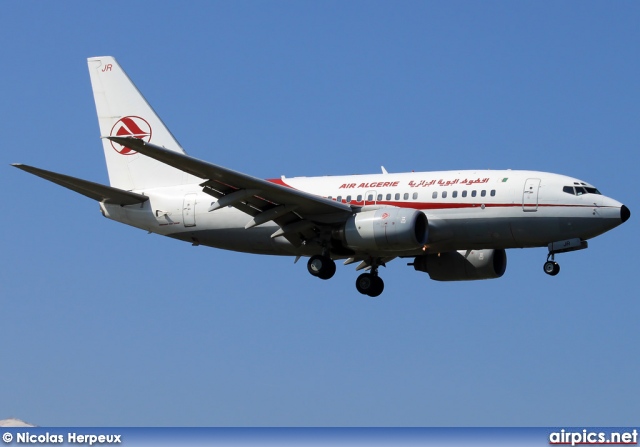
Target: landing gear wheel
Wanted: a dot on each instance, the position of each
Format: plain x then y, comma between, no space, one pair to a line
321,266
551,268
369,284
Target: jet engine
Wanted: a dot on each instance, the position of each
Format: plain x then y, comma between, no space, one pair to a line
385,229
463,265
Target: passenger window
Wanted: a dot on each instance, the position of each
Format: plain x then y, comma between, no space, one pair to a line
454,194
464,193
370,197
397,196
444,194
406,196
339,198
415,196
388,196
483,193
348,199
473,193
329,197
359,198
493,193
434,195
379,197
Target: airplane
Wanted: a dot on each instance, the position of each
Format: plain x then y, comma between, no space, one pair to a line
452,225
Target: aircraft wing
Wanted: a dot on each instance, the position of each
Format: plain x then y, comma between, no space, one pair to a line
296,212
94,191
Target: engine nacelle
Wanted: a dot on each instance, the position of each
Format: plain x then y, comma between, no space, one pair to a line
463,265
386,229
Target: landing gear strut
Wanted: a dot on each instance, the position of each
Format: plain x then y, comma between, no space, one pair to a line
321,266
370,283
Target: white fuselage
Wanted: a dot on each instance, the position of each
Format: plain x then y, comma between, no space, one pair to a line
465,209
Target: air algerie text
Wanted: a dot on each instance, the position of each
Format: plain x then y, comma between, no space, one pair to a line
369,185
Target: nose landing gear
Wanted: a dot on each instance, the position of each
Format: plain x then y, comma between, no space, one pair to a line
551,267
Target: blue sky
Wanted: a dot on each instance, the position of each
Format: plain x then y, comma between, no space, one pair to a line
105,325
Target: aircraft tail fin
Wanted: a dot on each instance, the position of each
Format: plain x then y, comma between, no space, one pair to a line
123,111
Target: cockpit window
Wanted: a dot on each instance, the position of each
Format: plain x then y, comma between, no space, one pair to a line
580,190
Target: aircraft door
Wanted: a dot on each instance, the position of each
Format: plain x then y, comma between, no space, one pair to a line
189,210
530,194
370,198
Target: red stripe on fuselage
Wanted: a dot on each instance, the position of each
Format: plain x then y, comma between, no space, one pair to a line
443,205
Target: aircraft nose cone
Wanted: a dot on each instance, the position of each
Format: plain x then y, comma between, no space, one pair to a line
625,214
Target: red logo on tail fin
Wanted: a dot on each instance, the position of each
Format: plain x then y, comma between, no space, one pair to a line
130,126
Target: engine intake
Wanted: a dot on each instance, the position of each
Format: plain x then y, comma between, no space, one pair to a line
386,229
463,265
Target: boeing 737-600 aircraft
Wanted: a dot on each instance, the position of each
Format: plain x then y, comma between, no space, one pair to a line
453,225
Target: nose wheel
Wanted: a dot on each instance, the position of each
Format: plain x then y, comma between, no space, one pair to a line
551,267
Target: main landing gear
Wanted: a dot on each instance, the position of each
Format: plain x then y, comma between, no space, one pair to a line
370,283
321,266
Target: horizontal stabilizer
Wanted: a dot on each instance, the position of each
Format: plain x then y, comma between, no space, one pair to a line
95,191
